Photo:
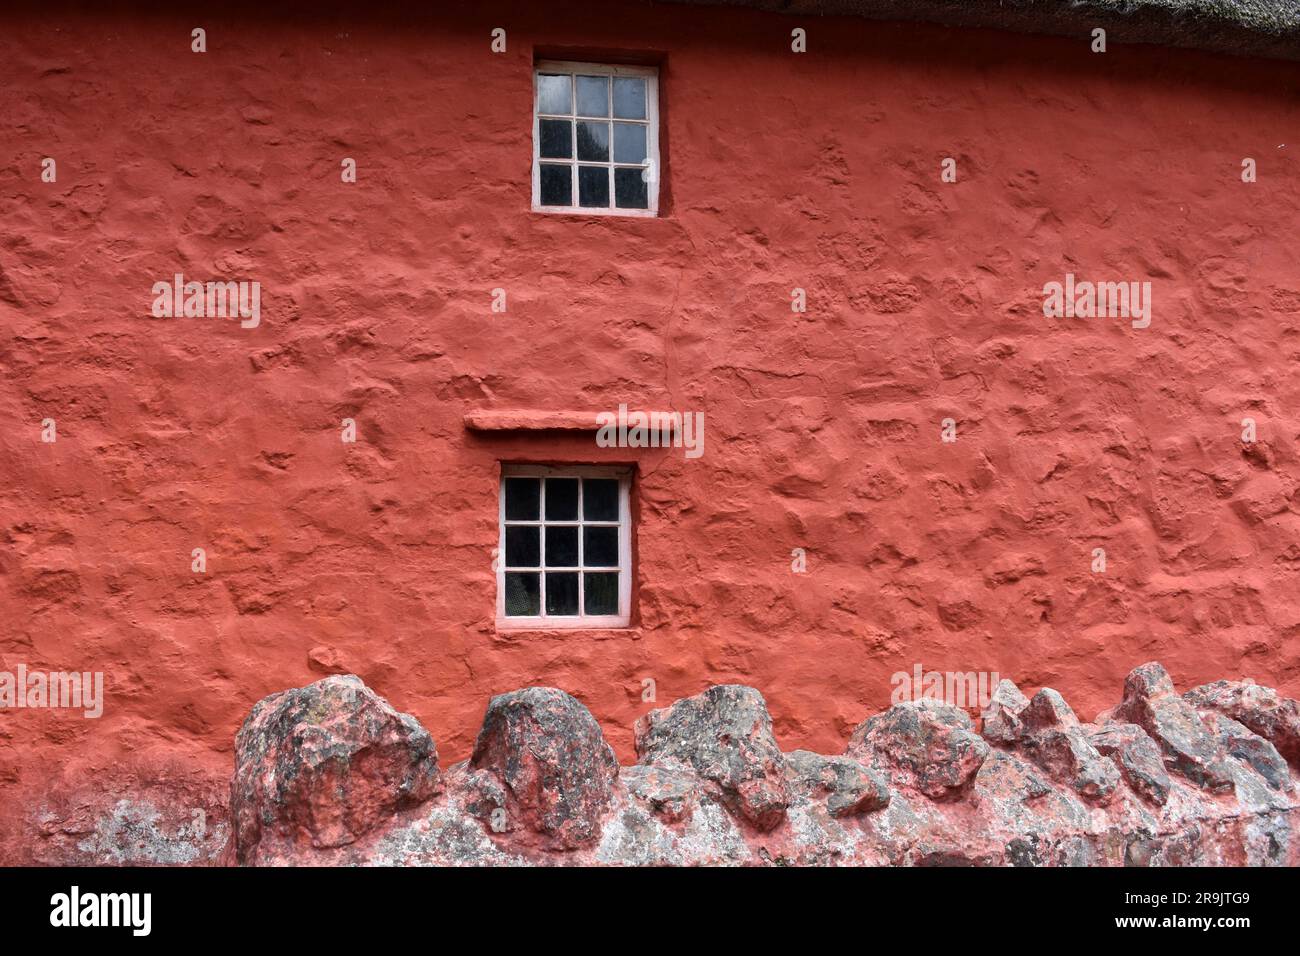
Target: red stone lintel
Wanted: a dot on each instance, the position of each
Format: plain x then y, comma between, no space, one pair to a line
527,420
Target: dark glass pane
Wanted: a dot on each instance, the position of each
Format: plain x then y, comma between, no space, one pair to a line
629,97
630,189
593,96
557,185
629,143
599,547
553,94
593,186
522,549
600,499
523,594
561,547
600,594
557,139
593,142
562,592
561,499
521,499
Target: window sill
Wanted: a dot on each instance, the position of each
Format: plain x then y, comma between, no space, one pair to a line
508,628
546,213
560,624
596,211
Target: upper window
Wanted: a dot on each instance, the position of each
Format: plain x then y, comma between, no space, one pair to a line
565,558
596,139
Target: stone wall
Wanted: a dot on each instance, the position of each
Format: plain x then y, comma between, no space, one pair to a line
331,774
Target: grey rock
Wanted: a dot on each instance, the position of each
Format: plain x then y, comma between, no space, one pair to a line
725,735
548,753
1189,748
1001,718
1138,757
925,744
848,787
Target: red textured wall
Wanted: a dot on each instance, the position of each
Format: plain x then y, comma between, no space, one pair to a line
822,430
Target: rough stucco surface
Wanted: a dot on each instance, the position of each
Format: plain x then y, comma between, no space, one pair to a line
822,430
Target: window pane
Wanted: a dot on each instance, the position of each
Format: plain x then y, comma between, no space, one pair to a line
600,499
556,139
593,142
593,96
562,499
593,186
521,546
562,592
553,94
557,185
521,499
629,97
561,547
523,594
599,547
629,143
600,594
630,189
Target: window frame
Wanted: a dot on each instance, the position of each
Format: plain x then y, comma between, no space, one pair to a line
576,68
581,621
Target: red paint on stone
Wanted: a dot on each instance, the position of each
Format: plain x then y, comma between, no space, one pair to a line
820,172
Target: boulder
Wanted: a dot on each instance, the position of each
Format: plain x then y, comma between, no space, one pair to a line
555,767
1052,737
1251,749
725,736
1001,718
325,764
1138,758
1190,749
847,786
923,744
1261,709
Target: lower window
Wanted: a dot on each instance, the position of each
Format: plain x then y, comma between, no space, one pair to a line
565,547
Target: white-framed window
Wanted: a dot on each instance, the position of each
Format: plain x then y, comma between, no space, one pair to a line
565,558
595,139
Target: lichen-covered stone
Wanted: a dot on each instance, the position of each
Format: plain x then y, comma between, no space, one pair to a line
1052,738
552,759
143,812
325,764
1138,758
1001,718
1251,749
669,792
1190,749
847,786
1261,709
725,735
926,745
